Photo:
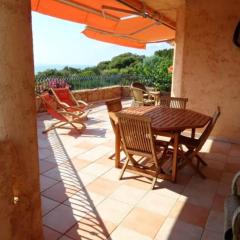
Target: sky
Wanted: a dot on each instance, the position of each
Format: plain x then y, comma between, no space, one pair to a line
60,42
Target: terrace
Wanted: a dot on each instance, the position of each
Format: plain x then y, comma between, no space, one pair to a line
81,196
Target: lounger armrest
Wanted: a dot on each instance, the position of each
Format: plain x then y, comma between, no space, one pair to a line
154,93
80,117
235,186
75,109
71,113
63,104
82,102
68,108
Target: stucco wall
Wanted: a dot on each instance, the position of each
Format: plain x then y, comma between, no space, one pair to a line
98,94
19,165
94,95
210,62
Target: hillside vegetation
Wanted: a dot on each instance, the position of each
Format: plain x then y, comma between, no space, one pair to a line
153,70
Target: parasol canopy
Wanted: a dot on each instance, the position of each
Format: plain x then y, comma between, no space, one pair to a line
109,37
124,22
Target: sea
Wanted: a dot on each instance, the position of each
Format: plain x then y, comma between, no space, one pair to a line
43,67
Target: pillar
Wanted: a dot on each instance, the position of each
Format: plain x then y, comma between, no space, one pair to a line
178,60
20,215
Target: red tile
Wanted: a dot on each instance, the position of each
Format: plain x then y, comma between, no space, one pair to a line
190,213
102,186
60,192
46,183
50,234
215,221
212,173
218,203
91,227
174,229
60,219
46,165
47,205
143,221
232,167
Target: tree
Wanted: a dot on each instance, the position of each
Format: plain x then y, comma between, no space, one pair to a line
103,65
125,60
154,70
90,71
165,53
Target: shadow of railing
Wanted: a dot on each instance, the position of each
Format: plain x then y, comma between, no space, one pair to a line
84,212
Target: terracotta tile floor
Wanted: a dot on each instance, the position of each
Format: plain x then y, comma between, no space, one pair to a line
82,197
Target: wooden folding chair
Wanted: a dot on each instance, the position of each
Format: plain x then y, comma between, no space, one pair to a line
64,117
142,87
66,100
195,145
114,106
139,85
139,98
173,102
138,140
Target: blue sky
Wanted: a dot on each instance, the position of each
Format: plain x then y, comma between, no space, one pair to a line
60,42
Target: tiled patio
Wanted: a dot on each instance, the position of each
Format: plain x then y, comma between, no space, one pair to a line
82,197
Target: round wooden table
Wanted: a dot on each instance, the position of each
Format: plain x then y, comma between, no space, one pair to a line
169,120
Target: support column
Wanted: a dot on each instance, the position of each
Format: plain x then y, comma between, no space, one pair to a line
178,54
20,218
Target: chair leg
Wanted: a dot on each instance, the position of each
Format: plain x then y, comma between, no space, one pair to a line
60,124
124,168
184,160
53,126
83,126
201,160
112,156
198,163
133,161
201,174
190,162
197,170
154,181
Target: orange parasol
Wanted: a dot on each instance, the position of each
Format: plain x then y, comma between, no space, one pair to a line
109,37
124,22
80,11
143,29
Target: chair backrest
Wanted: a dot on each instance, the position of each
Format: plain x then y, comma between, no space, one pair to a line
51,106
136,134
137,94
203,138
114,106
64,95
173,102
139,85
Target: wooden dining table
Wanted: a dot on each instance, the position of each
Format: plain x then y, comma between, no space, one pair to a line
171,121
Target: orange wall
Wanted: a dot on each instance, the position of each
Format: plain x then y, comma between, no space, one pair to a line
20,213
207,63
